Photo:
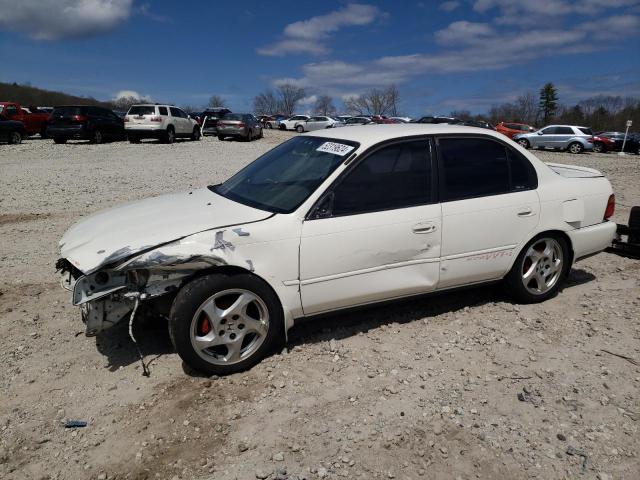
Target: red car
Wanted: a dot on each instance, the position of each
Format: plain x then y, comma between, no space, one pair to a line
34,120
603,144
510,129
381,119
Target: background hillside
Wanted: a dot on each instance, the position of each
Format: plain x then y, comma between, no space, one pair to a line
28,95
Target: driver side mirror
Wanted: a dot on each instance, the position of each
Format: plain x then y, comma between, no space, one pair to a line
325,208
540,133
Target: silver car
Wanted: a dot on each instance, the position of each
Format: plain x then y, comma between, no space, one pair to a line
563,137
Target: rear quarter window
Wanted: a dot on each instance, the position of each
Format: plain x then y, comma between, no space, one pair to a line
163,111
586,131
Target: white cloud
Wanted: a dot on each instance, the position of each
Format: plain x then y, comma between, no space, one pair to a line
449,6
467,47
535,12
308,36
129,94
58,19
463,32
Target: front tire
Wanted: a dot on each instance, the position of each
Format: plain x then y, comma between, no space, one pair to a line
15,138
524,143
221,137
575,148
195,136
539,270
598,147
300,129
59,140
225,323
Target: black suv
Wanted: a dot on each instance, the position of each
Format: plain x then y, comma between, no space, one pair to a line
210,119
81,122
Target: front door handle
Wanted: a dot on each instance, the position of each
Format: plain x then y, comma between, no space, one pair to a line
424,228
526,212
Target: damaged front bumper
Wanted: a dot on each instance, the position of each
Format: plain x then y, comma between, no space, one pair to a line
108,296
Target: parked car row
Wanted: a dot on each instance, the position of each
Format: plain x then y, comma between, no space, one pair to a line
167,123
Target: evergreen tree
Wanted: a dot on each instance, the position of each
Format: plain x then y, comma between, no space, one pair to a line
548,102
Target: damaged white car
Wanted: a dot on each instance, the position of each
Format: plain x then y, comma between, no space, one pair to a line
331,220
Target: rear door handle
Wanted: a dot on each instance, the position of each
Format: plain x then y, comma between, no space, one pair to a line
526,212
424,228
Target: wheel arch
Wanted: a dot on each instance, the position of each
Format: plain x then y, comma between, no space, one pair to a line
237,270
552,233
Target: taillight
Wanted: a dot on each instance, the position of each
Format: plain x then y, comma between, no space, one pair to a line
611,207
241,125
156,119
79,118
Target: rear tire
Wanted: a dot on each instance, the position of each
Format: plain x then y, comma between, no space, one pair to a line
221,138
282,127
43,133
598,147
195,136
575,148
300,129
59,140
134,140
259,320
170,135
249,136
15,138
545,259
97,137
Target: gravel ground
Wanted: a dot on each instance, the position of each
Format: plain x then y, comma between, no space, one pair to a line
462,385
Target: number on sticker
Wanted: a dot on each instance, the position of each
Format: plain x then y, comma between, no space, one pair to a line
335,148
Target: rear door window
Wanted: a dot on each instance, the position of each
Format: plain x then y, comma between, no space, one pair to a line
564,130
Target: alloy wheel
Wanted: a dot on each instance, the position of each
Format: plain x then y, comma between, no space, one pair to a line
542,266
229,326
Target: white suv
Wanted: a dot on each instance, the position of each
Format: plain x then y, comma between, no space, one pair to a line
292,123
164,122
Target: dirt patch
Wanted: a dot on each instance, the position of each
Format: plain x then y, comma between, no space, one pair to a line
8,218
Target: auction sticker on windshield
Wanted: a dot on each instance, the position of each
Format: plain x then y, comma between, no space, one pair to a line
335,148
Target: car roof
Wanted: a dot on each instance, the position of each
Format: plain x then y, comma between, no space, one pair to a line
369,135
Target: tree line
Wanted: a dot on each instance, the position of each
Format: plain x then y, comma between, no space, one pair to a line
601,112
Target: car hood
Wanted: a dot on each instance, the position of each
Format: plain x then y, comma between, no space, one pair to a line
116,234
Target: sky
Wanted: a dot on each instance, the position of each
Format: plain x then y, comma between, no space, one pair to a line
442,55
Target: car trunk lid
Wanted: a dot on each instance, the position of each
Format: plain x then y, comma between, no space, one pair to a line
573,171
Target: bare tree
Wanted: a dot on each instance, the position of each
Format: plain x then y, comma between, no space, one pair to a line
527,108
191,108
375,102
289,96
266,103
124,103
324,105
217,101
461,114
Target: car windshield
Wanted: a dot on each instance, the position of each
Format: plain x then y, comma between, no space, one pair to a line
142,110
281,179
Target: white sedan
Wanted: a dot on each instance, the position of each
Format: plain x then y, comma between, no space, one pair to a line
318,123
330,220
